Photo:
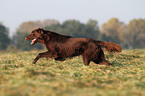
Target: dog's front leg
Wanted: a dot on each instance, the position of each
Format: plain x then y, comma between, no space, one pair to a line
41,55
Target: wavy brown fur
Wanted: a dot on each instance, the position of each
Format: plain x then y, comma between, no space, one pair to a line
110,46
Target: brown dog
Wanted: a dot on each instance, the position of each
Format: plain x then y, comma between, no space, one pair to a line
60,47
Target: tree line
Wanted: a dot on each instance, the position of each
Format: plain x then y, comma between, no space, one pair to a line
128,36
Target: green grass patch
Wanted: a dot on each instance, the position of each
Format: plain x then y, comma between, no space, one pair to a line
19,77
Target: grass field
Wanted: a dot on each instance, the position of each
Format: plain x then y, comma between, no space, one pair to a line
19,77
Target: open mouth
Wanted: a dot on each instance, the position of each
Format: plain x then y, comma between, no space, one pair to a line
33,41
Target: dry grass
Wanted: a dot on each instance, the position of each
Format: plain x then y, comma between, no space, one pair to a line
18,77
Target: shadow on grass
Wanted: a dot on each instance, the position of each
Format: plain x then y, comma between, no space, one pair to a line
33,72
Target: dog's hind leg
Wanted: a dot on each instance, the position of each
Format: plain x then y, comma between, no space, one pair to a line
100,58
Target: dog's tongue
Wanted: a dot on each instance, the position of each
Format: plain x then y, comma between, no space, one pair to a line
33,41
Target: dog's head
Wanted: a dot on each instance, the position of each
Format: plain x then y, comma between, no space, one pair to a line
37,35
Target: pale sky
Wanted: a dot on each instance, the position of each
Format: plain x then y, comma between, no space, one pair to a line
14,12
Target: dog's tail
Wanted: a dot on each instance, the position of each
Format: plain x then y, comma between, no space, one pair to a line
110,46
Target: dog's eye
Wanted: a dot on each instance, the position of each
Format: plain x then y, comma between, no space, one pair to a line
32,34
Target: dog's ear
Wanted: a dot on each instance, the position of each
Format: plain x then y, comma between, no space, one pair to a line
43,31
40,30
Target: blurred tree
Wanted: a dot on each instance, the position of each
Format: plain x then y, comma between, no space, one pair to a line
114,30
4,38
29,26
49,22
76,29
93,28
93,23
73,28
136,33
